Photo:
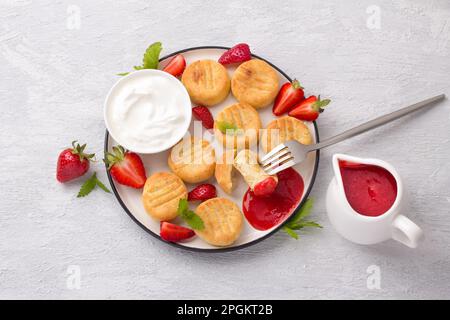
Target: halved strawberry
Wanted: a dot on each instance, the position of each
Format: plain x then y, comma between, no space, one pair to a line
174,233
239,53
202,192
204,115
176,66
265,187
309,109
126,167
289,95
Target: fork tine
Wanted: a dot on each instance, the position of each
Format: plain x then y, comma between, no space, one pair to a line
278,161
286,165
277,156
272,153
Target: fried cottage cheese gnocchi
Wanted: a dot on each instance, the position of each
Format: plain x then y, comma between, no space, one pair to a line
262,184
207,82
244,117
222,219
161,194
256,83
224,171
284,129
193,160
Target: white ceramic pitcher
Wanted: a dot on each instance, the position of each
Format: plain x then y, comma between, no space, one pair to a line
366,229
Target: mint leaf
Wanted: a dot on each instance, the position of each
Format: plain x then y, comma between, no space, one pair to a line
310,224
290,232
295,226
194,221
102,186
302,212
151,56
190,217
226,127
150,59
296,221
182,206
90,184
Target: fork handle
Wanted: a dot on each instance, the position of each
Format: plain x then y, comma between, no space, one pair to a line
374,123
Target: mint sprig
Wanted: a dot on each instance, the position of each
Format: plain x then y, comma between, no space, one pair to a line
190,217
90,185
227,127
150,59
296,222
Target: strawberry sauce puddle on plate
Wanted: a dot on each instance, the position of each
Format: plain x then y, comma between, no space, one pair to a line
266,212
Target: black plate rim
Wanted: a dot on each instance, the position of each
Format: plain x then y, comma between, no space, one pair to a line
224,249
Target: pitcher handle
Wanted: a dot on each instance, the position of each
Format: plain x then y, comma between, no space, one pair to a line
406,231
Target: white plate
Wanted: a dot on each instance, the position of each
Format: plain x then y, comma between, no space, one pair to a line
130,199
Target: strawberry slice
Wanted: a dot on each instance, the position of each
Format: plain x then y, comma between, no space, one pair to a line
126,167
290,94
309,109
173,233
176,66
204,115
239,53
265,187
202,192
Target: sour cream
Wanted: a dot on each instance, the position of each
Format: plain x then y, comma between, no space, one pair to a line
147,111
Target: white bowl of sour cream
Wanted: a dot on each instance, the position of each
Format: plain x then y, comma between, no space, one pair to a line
147,111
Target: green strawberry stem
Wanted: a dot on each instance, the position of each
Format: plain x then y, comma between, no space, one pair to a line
79,150
296,84
320,104
116,156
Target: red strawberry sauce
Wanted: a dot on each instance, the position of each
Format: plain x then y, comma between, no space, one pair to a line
370,190
265,212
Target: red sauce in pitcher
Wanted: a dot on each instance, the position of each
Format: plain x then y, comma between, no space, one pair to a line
370,190
265,212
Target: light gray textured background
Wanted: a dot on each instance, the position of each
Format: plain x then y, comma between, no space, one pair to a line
53,82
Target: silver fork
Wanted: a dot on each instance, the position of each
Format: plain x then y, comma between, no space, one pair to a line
292,152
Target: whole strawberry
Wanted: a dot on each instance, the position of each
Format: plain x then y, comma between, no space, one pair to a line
239,53
126,167
72,163
202,192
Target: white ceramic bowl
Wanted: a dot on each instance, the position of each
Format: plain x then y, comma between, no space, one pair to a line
183,107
